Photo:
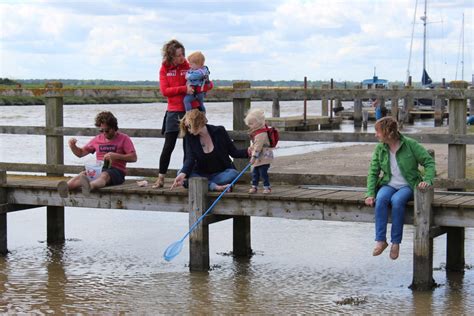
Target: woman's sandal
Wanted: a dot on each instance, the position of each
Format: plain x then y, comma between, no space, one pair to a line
379,248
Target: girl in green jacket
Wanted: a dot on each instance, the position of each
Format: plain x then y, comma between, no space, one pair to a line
392,179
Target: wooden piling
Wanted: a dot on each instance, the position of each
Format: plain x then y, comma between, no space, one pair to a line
357,113
54,156
422,241
456,170
408,103
199,238
439,107
394,100
365,118
276,107
3,214
305,102
240,109
438,112
471,103
324,102
241,224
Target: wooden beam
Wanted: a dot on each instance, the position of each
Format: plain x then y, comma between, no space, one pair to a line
3,214
199,237
422,242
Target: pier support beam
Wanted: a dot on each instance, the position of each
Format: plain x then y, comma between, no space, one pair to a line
54,156
394,103
3,215
456,170
422,241
324,102
241,237
199,238
240,108
276,107
357,111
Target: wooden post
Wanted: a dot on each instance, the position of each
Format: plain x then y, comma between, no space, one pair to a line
241,237
324,102
305,101
241,107
357,112
365,118
456,170
394,106
471,103
199,238
438,112
241,224
439,109
54,156
408,106
422,242
331,101
3,216
276,107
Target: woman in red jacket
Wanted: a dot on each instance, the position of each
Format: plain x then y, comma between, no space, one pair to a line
173,87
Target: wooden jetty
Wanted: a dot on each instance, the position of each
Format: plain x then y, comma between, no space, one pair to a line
432,213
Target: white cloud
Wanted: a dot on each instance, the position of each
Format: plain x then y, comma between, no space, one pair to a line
285,39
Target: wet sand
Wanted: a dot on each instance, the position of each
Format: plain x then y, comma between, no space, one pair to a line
355,159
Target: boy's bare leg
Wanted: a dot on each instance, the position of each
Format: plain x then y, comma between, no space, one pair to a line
73,184
101,181
88,186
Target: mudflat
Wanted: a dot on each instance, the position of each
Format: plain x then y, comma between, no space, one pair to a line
355,160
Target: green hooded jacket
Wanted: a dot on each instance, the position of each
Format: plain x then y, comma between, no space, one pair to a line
409,156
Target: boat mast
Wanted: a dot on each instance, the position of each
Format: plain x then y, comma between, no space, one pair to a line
424,18
411,41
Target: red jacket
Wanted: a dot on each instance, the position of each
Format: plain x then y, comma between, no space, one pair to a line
173,85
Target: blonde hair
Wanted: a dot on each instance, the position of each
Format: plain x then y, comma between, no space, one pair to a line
388,127
255,115
197,57
195,118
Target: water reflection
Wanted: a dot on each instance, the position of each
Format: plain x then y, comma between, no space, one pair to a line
57,280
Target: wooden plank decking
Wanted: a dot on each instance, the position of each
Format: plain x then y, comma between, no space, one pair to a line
285,201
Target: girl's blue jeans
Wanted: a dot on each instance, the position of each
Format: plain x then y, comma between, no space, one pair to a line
398,199
218,178
261,171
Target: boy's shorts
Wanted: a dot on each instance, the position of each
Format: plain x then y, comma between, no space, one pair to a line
116,176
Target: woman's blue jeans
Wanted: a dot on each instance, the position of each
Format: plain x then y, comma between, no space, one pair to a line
398,199
218,178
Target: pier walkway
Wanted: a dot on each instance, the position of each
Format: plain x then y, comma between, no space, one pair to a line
432,213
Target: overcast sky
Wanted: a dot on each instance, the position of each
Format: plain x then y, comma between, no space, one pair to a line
254,39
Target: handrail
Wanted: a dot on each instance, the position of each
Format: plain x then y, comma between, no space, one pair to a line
312,136
258,93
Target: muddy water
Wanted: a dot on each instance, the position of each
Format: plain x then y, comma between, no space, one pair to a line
111,261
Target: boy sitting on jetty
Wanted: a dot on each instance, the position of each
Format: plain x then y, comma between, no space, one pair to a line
112,147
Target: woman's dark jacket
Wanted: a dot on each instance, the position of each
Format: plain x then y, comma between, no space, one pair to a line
195,158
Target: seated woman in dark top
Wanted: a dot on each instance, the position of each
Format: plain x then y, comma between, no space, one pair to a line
208,148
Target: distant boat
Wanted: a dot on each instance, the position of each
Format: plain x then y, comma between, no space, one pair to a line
426,80
375,83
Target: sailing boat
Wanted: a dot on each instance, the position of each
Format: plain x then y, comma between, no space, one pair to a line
426,80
